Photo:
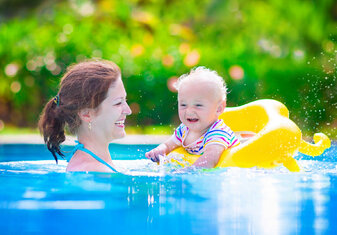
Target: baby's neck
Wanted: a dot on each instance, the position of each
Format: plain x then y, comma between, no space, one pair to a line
192,136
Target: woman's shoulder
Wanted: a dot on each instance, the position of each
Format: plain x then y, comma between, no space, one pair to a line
82,161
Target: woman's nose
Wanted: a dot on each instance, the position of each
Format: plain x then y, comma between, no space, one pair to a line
127,109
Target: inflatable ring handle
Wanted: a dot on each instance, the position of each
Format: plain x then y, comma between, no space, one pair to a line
322,142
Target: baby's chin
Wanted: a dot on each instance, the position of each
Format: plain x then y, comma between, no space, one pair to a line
192,125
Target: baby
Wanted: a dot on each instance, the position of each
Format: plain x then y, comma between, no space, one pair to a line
201,99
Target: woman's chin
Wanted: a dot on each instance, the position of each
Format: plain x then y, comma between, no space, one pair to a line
118,135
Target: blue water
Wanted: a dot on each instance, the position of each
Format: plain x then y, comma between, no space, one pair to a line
38,197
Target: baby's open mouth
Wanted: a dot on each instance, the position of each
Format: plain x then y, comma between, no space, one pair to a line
192,119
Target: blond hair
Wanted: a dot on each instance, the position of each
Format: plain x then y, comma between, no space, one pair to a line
202,73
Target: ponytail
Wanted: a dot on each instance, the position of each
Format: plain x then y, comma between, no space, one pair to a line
51,126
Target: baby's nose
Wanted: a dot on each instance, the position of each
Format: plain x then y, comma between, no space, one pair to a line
189,111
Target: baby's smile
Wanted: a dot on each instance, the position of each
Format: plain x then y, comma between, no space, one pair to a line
193,120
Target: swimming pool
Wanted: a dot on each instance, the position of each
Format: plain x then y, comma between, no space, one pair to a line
38,197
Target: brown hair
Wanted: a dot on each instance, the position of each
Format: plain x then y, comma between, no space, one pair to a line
84,85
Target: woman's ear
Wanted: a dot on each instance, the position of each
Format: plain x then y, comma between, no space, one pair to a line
85,115
221,107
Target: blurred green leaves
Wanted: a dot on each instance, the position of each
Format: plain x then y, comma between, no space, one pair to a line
264,49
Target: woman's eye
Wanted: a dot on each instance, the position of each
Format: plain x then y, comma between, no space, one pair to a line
120,102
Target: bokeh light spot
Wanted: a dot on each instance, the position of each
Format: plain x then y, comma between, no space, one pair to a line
68,29
135,108
168,60
49,59
328,46
80,58
184,48
31,65
143,17
29,81
84,8
236,72
51,67
148,39
175,29
15,87
192,58
57,70
2,125
97,54
11,69
62,38
298,54
171,82
137,50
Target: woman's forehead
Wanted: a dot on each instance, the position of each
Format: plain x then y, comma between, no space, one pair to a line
117,89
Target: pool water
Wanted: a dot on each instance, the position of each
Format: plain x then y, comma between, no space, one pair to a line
38,197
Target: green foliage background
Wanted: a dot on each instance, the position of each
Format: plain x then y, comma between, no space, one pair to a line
286,50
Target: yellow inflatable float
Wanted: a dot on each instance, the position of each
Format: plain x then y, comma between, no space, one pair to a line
276,141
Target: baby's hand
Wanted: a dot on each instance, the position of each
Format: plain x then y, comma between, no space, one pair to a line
156,152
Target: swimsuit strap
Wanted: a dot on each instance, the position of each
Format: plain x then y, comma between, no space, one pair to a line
80,146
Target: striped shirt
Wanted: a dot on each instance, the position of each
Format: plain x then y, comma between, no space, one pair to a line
219,133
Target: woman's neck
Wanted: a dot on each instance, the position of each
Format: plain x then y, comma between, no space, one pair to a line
95,145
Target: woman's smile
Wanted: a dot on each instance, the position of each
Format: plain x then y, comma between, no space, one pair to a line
120,123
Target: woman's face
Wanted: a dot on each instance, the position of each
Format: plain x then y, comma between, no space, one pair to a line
108,121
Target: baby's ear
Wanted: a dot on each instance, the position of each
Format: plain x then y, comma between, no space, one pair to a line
221,107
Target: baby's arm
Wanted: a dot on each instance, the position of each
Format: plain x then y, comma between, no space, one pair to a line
162,149
210,157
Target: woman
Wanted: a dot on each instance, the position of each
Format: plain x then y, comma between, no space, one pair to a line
91,102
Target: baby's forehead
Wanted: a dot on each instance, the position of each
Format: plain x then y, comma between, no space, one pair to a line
209,87
201,82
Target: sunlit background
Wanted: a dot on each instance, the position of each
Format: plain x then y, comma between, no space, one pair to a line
285,50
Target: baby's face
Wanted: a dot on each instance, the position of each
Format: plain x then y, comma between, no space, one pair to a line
198,105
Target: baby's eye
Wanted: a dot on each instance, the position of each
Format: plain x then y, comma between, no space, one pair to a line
182,105
199,105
